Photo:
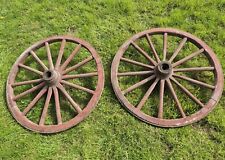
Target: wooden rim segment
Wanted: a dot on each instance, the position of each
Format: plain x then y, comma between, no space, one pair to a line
52,79
163,73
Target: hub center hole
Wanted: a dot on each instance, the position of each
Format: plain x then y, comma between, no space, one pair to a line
48,74
165,66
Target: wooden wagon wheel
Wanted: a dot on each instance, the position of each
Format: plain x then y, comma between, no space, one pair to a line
51,81
163,73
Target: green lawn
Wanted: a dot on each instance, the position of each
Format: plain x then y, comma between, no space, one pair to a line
109,132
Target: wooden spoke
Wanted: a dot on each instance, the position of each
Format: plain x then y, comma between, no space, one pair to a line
30,69
58,61
57,105
29,91
65,64
66,94
131,88
26,82
152,48
78,87
187,58
193,69
78,65
147,94
196,100
143,53
175,98
34,101
136,63
45,109
38,60
84,75
161,95
194,81
135,73
51,66
164,46
181,45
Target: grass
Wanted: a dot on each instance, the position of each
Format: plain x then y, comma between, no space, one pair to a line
109,132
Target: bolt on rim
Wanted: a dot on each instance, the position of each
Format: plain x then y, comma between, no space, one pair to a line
162,72
53,78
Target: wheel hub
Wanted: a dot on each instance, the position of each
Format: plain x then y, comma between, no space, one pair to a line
163,70
51,77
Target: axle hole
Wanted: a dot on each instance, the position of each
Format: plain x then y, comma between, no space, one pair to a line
48,74
165,66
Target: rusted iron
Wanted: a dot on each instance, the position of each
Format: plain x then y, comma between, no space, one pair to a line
51,82
163,72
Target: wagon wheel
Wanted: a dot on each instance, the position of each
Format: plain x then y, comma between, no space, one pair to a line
163,74
52,82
